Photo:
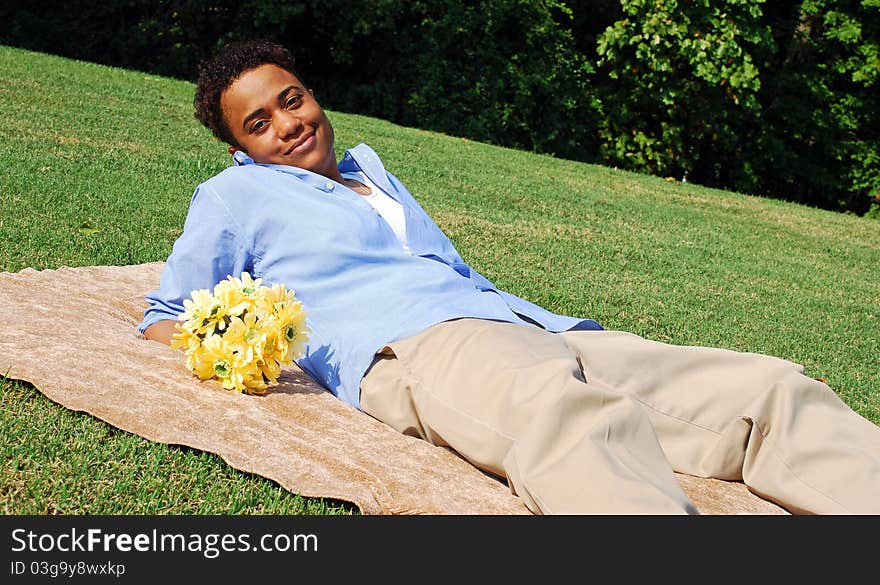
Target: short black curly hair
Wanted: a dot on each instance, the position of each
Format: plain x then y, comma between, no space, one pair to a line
217,73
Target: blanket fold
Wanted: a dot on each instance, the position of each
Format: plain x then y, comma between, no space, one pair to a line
71,332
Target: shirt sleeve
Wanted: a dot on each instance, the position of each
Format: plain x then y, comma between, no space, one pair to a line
210,248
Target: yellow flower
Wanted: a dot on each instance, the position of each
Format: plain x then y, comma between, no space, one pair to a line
238,294
185,338
246,334
257,382
254,383
294,332
271,343
241,334
214,358
198,313
274,297
270,368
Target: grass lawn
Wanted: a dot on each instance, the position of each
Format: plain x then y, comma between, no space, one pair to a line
97,166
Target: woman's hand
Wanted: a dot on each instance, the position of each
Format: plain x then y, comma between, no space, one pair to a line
161,331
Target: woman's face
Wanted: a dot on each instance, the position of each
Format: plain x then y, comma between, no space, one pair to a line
276,120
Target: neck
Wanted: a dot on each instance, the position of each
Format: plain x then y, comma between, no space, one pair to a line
334,174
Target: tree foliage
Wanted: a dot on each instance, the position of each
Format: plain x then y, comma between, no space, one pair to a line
773,98
685,83
821,138
499,71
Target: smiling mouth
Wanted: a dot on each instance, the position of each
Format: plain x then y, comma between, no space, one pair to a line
301,145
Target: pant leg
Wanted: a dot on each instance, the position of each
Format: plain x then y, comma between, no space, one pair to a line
512,400
734,415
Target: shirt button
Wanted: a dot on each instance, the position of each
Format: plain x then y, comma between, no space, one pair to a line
328,185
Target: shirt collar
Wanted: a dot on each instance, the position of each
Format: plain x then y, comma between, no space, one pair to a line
360,158
239,158
363,158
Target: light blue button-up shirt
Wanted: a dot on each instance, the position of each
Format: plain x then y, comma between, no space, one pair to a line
359,287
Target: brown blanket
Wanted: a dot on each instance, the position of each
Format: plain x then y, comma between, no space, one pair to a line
297,434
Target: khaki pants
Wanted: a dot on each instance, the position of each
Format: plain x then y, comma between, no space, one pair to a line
597,421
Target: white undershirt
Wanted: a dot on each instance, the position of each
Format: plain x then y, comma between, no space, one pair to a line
390,210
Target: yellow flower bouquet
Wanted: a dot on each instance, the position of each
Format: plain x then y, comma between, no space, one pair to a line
241,334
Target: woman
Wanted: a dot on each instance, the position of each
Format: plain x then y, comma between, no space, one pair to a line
576,418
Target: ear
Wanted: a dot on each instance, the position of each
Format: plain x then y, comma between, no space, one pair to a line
232,150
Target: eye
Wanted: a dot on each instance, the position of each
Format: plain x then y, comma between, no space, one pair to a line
292,101
258,125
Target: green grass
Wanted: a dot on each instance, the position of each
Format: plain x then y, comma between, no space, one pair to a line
97,166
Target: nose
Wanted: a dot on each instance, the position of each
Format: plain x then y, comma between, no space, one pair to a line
287,124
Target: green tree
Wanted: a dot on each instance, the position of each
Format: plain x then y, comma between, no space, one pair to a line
500,71
779,99
822,133
682,99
